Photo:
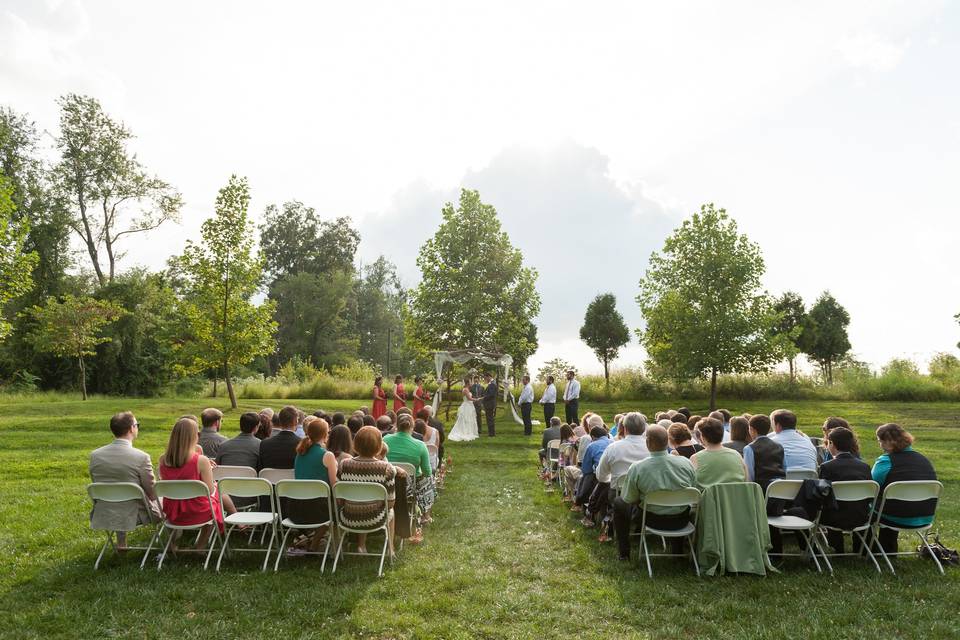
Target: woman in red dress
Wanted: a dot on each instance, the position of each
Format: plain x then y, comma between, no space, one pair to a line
420,396
379,398
399,395
184,460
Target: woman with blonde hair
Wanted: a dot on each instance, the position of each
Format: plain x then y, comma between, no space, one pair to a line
183,460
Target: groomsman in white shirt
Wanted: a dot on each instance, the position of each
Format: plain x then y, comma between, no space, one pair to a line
526,406
571,399
549,400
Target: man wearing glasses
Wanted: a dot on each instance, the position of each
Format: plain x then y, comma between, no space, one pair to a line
119,461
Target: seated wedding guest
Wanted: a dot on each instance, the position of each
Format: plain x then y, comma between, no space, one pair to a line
266,424
763,456
313,462
337,418
369,421
615,430
393,417
353,424
572,471
897,463
550,432
298,428
716,463
739,434
621,454
120,461
831,423
182,461
691,422
340,443
843,466
658,472
210,438
426,414
723,418
385,425
243,450
685,412
588,467
280,450
403,448
428,435
365,466
798,451
681,441
364,410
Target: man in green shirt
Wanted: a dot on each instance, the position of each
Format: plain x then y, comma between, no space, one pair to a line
402,447
661,471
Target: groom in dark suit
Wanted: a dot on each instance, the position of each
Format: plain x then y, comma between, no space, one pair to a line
490,402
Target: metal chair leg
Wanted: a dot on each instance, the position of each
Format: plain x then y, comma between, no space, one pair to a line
166,548
336,558
283,544
223,547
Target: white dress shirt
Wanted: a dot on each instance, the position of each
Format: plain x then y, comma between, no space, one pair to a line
527,394
619,457
549,395
572,392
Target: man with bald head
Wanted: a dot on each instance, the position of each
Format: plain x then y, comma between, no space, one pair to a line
659,472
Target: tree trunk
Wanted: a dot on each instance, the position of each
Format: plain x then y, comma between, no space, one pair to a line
214,386
792,370
713,389
606,376
83,378
87,232
830,373
226,377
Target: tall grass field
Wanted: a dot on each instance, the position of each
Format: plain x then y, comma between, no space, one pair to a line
503,558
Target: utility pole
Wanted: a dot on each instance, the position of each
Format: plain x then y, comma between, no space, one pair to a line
389,340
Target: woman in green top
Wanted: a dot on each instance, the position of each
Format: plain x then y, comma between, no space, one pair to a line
716,463
313,462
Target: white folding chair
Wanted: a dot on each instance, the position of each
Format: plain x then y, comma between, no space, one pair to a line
908,491
801,474
248,488
222,471
412,507
787,490
276,475
568,451
852,491
553,460
187,490
686,497
368,492
304,490
120,492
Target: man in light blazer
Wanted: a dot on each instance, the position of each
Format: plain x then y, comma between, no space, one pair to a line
119,461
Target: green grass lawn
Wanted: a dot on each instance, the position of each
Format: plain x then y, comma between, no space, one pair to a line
503,559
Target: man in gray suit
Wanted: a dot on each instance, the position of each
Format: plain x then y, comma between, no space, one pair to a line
119,461
244,449
490,402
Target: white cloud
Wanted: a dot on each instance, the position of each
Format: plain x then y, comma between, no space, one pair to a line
871,51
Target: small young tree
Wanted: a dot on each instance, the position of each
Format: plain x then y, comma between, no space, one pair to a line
701,298
555,367
16,262
824,338
219,277
604,331
788,327
71,327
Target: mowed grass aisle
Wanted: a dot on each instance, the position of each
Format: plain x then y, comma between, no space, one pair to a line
503,559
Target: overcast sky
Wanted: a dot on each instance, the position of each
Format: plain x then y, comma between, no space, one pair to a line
829,130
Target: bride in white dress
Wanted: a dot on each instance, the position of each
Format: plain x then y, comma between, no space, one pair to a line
465,428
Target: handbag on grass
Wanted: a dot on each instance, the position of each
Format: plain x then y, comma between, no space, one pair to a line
944,555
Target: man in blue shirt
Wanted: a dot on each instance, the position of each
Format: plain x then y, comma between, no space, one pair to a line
798,451
589,466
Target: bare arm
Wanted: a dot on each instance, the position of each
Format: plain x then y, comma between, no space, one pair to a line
330,462
206,472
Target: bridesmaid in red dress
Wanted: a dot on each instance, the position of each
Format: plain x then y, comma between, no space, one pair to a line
379,398
420,396
183,460
399,395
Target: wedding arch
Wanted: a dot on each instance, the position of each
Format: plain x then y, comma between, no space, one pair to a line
503,362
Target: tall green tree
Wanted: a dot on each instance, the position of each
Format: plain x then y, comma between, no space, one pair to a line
72,327
604,331
824,338
701,299
15,262
381,299
791,316
109,192
220,276
309,265
474,291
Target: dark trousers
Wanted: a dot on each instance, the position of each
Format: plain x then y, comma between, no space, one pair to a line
835,540
525,409
549,408
571,409
491,411
585,488
626,514
477,405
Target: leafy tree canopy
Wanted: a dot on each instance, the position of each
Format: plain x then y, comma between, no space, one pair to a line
604,330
